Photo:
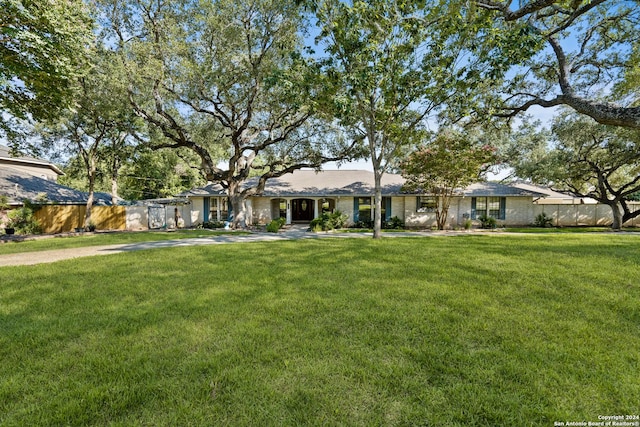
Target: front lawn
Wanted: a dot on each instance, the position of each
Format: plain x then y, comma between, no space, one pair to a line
470,330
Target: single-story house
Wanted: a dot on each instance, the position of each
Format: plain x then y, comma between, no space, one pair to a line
305,194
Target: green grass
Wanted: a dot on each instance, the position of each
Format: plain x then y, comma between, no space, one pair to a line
471,330
568,229
97,239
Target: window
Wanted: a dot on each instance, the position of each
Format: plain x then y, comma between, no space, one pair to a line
327,205
364,208
427,204
494,207
224,209
489,206
213,209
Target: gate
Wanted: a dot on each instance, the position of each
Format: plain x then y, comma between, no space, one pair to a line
157,217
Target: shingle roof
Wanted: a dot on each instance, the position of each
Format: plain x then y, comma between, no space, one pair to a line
310,183
482,189
6,157
19,185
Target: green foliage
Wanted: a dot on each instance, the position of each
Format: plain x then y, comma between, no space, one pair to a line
276,224
468,224
329,221
22,219
227,80
585,158
487,222
543,221
448,163
585,40
150,174
394,223
212,225
42,51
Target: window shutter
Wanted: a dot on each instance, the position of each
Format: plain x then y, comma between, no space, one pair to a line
229,210
387,208
473,208
418,204
356,210
503,208
206,209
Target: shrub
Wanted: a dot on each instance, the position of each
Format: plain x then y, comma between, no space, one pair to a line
394,223
329,221
488,221
22,220
542,220
468,224
213,224
275,225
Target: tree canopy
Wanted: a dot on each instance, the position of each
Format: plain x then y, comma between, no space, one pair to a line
43,45
446,165
585,158
589,61
227,80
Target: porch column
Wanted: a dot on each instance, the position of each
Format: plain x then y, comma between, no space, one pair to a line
288,201
315,208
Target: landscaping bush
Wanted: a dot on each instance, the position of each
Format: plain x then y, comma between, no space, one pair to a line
329,221
394,223
22,220
488,222
543,221
213,225
276,224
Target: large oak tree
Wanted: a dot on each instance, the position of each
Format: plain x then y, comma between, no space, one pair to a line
589,62
585,158
227,80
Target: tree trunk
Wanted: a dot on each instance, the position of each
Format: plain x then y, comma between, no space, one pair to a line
87,215
114,190
377,210
237,206
442,214
617,216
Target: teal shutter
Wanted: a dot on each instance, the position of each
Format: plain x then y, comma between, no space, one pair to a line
387,208
206,210
473,208
356,209
417,203
503,208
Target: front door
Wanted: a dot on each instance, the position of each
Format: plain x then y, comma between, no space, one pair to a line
301,210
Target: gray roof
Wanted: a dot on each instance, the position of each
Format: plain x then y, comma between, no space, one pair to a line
482,189
7,158
311,183
19,185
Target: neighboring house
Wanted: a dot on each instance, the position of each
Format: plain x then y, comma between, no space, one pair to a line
29,165
35,180
306,194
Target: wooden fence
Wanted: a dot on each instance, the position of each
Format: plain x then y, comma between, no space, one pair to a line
63,218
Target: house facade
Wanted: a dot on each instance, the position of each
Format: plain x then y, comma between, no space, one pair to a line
303,195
